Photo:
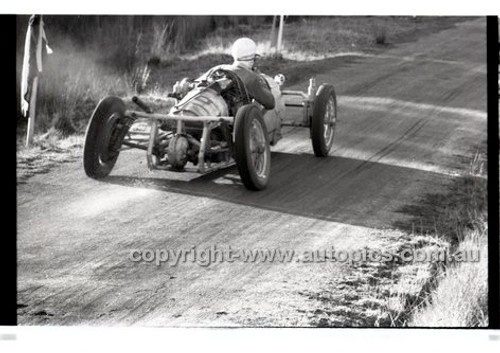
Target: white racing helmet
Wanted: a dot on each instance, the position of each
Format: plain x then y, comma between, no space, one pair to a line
244,49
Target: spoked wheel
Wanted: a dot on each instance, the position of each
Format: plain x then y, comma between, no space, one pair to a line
104,137
323,121
252,150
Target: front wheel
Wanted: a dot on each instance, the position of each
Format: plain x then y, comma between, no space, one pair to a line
324,119
103,139
251,147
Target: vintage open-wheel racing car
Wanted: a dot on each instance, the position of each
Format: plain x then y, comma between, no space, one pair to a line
212,125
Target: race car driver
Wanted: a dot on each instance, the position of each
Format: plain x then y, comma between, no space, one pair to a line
244,55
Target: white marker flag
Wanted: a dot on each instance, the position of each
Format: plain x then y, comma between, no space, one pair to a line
32,63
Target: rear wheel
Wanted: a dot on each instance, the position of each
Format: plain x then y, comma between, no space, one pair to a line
323,120
251,146
103,138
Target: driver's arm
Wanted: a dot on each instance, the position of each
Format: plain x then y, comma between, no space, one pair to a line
259,89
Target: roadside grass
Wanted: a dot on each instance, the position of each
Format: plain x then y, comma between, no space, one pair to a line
316,38
69,88
444,294
376,293
456,295
48,150
460,296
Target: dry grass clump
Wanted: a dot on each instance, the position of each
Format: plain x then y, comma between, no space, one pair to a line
461,298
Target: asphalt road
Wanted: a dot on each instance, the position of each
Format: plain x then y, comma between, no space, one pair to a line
409,123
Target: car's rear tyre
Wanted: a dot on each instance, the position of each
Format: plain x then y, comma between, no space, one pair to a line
101,148
323,121
251,147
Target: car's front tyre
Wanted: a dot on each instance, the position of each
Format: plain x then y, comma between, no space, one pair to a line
101,148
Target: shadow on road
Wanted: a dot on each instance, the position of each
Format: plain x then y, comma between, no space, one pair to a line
335,189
